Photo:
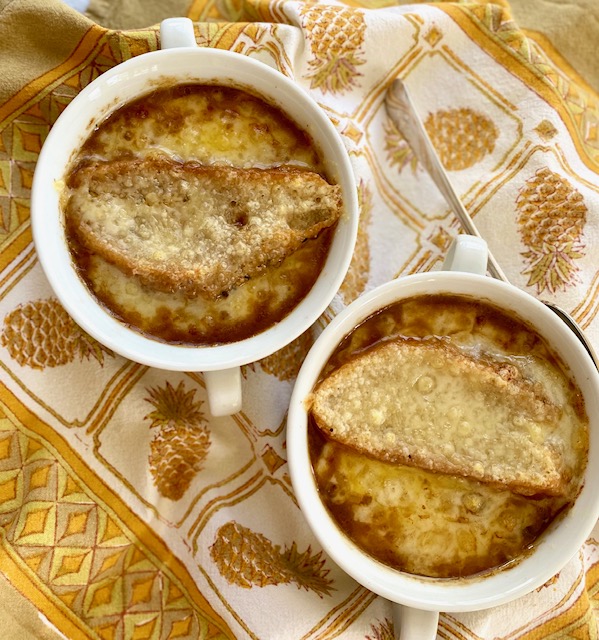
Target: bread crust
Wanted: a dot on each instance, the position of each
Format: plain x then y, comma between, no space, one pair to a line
198,229
428,404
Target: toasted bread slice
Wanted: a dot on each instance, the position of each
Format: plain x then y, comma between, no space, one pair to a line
428,404
198,229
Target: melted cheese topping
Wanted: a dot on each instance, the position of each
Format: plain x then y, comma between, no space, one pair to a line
435,523
207,124
426,523
178,319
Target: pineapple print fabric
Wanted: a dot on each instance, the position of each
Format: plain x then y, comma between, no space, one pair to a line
126,510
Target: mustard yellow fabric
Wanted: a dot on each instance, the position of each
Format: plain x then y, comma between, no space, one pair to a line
134,14
126,511
572,29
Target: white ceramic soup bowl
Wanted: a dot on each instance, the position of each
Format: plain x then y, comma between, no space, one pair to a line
419,599
180,60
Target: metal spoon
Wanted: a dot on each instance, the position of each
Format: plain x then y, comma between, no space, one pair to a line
403,113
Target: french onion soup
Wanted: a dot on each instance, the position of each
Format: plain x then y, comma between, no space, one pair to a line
199,214
446,435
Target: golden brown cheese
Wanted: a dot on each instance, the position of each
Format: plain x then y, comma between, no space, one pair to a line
198,229
176,318
436,443
426,523
428,404
205,125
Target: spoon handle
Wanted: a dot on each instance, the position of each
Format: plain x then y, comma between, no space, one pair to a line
403,113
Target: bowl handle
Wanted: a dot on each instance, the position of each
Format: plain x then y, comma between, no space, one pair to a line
224,391
414,624
177,32
467,253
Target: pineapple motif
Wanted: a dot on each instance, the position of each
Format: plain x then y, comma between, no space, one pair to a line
461,137
249,559
182,440
336,36
399,153
383,631
41,334
359,268
551,219
285,363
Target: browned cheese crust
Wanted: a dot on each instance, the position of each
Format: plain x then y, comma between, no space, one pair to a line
198,229
431,405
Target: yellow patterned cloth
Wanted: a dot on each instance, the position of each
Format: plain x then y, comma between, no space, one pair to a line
126,511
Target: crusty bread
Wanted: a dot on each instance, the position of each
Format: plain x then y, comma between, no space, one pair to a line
429,404
198,229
